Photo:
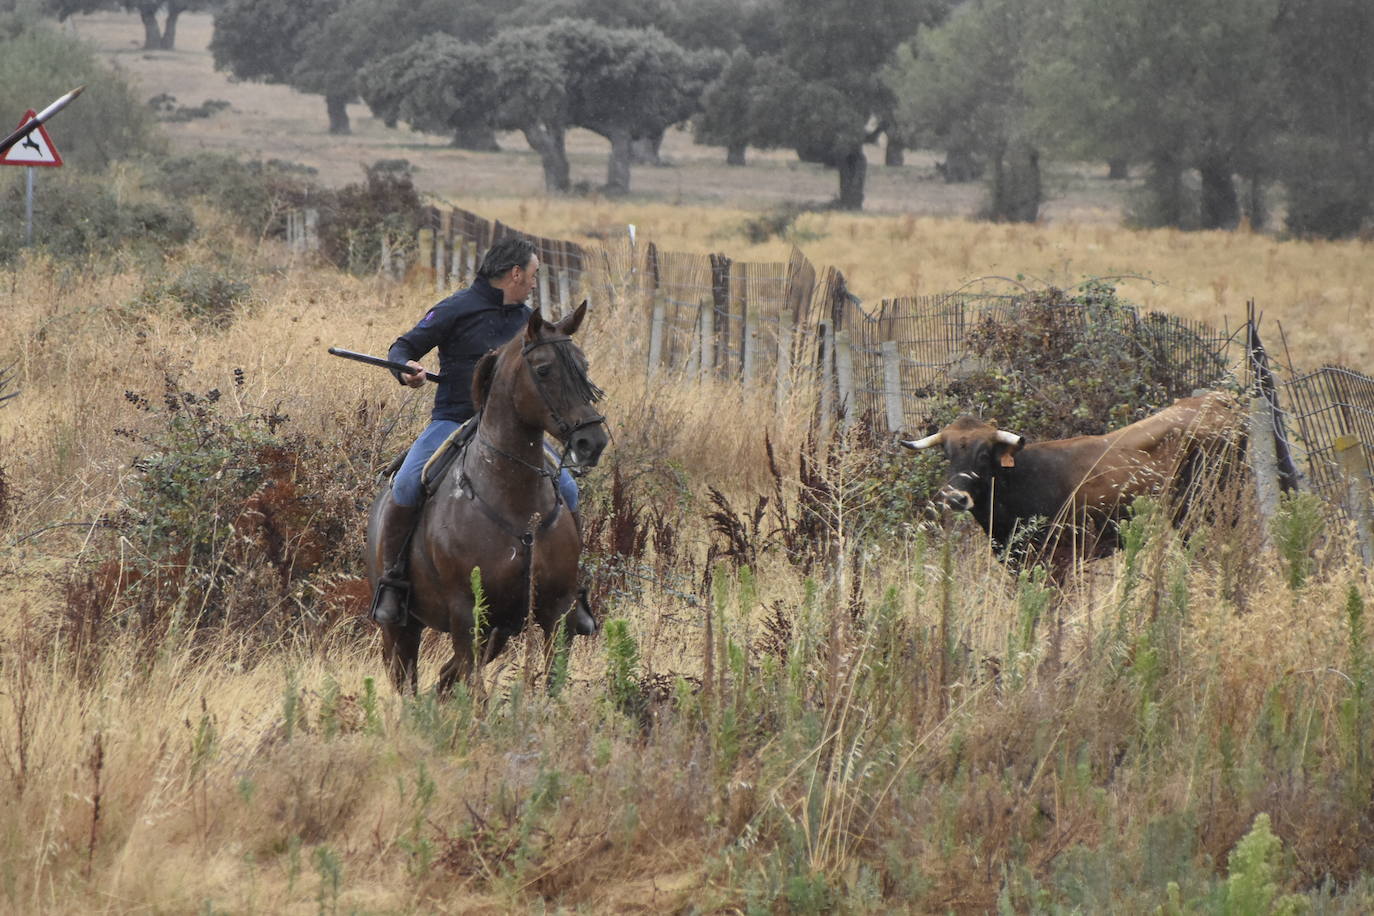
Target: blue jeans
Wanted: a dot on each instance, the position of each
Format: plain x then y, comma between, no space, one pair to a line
406,489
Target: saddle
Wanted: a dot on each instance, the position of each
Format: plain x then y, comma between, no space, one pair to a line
438,464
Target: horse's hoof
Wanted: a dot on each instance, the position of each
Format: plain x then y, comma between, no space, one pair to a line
583,622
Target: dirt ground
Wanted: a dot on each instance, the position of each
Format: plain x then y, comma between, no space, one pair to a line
269,121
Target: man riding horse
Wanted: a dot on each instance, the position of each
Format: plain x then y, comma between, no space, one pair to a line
464,327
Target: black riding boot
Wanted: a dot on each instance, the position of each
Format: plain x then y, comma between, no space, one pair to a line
389,604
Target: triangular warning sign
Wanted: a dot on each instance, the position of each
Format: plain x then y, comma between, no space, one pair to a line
35,149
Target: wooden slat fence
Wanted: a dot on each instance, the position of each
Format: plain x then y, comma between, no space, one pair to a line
795,328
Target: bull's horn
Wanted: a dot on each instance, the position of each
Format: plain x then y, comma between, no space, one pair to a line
1007,438
927,442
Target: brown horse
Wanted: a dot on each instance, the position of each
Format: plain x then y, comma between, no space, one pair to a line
498,509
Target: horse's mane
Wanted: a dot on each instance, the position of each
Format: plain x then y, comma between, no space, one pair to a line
482,375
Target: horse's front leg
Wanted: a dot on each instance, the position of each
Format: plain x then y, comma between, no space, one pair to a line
401,653
460,667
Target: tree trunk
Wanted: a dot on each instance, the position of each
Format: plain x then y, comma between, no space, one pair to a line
1026,190
959,166
734,153
1164,190
645,150
618,166
1256,207
853,168
894,153
152,35
169,28
477,139
1220,207
337,106
1118,168
549,144
1016,189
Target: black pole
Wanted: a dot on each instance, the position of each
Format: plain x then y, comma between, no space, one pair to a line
384,363
23,130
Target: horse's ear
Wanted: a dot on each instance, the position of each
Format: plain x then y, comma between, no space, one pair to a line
536,323
482,375
570,324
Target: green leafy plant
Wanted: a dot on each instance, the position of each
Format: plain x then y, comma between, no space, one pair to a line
1251,886
1054,363
207,296
1296,526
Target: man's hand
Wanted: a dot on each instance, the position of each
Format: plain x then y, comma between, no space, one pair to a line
413,379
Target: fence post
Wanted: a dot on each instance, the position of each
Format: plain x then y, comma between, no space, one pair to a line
844,376
544,305
748,342
440,260
827,375
564,293
657,310
1263,459
424,250
707,347
720,305
1355,469
784,356
892,387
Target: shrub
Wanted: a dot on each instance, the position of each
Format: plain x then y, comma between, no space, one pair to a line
1057,364
256,195
78,216
778,222
354,219
228,521
201,294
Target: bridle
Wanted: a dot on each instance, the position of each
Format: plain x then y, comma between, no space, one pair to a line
582,389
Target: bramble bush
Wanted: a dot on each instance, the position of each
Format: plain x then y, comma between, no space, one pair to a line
1057,364
1050,364
229,522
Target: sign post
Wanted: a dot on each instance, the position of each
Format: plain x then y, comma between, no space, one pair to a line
33,147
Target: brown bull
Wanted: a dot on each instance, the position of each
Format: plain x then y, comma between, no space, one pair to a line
1082,486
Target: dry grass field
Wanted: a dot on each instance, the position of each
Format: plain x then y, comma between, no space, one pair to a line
194,717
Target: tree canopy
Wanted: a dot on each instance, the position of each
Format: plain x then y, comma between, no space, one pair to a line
960,85
821,92
155,36
619,83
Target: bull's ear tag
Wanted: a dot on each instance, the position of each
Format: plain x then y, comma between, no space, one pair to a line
1008,460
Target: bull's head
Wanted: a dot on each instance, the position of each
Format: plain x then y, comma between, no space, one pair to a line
977,452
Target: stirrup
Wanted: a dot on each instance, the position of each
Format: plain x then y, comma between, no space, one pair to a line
401,589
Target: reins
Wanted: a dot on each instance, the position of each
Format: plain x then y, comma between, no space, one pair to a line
582,386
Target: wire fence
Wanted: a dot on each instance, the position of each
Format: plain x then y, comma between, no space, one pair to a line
790,324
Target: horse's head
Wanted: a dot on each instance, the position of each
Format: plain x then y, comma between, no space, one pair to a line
550,387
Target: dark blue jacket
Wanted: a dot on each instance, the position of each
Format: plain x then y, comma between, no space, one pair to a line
464,327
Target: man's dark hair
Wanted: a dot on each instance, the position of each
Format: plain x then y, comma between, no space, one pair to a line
505,254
